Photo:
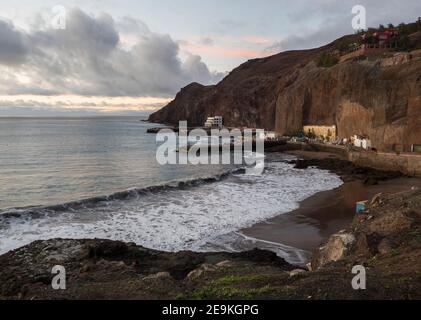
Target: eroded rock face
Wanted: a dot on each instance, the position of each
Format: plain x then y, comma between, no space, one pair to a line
360,98
334,250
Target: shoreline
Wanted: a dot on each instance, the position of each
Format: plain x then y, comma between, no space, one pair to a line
387,238
324,213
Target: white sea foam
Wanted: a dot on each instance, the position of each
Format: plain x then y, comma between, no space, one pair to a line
180,218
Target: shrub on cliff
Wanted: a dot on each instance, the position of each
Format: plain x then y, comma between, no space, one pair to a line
326,60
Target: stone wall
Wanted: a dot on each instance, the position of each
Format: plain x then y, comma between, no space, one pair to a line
321,131
409,164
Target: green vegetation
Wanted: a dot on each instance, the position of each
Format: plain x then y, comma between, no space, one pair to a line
402,42
326,60
249,286
237,279
345,43
409,28
212,292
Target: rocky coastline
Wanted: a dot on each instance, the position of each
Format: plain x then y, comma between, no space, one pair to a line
386,239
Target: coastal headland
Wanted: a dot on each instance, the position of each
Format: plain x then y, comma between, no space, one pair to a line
372,98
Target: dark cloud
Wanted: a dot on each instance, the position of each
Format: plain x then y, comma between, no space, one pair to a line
89,58
199,70
13,48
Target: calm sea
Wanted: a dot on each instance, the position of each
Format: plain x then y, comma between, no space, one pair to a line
98,177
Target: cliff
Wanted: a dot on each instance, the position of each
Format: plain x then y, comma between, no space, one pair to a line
364,98
379,97
246,97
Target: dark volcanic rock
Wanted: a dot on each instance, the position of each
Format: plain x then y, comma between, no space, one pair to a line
347,170
26,272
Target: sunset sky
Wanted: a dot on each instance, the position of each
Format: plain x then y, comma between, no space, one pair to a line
126,56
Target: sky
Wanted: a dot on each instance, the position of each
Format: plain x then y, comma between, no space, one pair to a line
126,57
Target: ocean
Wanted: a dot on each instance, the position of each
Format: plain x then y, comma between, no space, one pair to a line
98,178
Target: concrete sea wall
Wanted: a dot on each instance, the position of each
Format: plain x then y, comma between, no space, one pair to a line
407,163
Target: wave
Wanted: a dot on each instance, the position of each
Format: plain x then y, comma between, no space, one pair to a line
129,194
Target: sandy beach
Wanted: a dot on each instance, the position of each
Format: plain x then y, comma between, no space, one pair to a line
324,213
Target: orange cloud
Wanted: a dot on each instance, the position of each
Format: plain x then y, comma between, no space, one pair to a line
228,46
222,50
101,104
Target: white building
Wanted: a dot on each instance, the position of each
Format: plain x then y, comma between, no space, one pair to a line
213,122
270,135
266,135
361,142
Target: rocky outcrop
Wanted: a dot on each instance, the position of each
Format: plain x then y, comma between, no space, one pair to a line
97,269
386,240
384,228
334,250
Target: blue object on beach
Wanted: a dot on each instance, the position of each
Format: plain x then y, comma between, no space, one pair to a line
360,207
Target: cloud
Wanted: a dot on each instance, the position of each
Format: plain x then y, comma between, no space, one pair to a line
223,46
74,104
320,22
13,48
199,70
89,58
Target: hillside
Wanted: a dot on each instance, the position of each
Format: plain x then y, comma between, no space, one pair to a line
379,96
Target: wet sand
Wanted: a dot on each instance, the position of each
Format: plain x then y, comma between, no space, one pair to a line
323,214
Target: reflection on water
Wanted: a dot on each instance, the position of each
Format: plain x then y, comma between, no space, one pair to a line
52,161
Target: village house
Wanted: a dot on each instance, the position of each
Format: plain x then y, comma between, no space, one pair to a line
214,122
385,37
377,43
271,135
361,142
416,148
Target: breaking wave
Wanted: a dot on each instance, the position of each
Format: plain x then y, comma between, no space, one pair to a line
198,214
129,194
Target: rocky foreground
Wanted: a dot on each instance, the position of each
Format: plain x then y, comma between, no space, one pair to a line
386,239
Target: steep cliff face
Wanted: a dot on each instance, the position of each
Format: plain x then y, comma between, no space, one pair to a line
246,97
359,97
380,99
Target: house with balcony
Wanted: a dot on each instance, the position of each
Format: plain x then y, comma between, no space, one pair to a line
214,122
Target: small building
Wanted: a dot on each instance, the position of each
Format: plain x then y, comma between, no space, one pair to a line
271,135
321,132
361,142
383,37
416,148
266,135
214,122
372,44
